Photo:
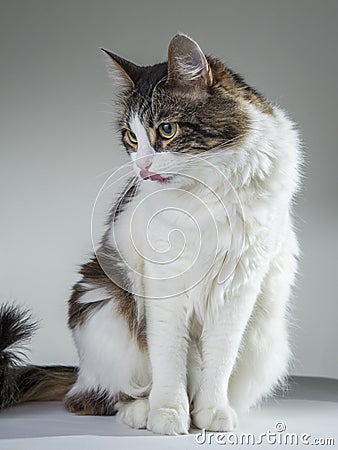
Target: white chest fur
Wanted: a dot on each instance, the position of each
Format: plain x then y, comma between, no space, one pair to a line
209,235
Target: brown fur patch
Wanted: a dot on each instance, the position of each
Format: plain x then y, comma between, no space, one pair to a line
234,84
92,273
123,301
152,136
94,403
44,383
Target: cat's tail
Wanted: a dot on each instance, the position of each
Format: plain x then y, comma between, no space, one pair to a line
19,382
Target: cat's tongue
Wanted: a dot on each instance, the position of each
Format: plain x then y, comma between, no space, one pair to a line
147,175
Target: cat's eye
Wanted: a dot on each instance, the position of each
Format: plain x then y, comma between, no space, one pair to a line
167,130
131,136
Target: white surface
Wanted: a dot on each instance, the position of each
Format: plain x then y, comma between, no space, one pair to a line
310,407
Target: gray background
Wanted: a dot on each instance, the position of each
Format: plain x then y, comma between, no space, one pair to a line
57,142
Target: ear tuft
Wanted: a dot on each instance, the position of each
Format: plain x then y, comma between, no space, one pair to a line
187,62
124,74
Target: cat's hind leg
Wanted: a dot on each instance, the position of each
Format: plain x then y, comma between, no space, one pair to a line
263,360
113,356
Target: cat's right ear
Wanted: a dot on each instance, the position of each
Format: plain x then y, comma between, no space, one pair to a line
187,64
124,74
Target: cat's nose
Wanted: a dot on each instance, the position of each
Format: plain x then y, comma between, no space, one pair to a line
143,163
144,160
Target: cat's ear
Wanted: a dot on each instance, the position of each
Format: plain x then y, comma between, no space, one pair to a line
187,63
124,73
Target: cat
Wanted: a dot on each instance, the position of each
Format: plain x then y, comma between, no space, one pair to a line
181,316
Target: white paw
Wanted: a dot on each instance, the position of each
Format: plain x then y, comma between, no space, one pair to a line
170,421
134,413
215,419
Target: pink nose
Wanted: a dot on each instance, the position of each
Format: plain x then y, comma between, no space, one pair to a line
144,162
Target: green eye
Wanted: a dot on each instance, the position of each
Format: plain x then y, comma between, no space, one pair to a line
167,130
131,137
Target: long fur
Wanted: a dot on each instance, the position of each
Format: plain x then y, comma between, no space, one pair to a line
20,382
182,314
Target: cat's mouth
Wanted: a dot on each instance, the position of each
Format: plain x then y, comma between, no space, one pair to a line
146,174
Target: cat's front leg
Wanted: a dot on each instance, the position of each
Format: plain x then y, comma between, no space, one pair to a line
167,341
221,338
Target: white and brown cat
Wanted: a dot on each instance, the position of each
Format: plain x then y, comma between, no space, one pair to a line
180,317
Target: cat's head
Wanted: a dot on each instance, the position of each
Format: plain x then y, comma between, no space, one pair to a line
188,108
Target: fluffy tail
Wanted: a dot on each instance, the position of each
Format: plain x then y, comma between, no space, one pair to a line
19,382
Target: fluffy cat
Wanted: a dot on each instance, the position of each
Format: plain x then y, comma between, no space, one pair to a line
180,317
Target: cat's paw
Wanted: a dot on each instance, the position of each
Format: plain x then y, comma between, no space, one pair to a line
134,413
215,419
169,420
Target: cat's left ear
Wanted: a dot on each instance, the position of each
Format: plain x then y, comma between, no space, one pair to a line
187,63
124,73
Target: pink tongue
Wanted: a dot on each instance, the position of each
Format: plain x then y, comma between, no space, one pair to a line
146,175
